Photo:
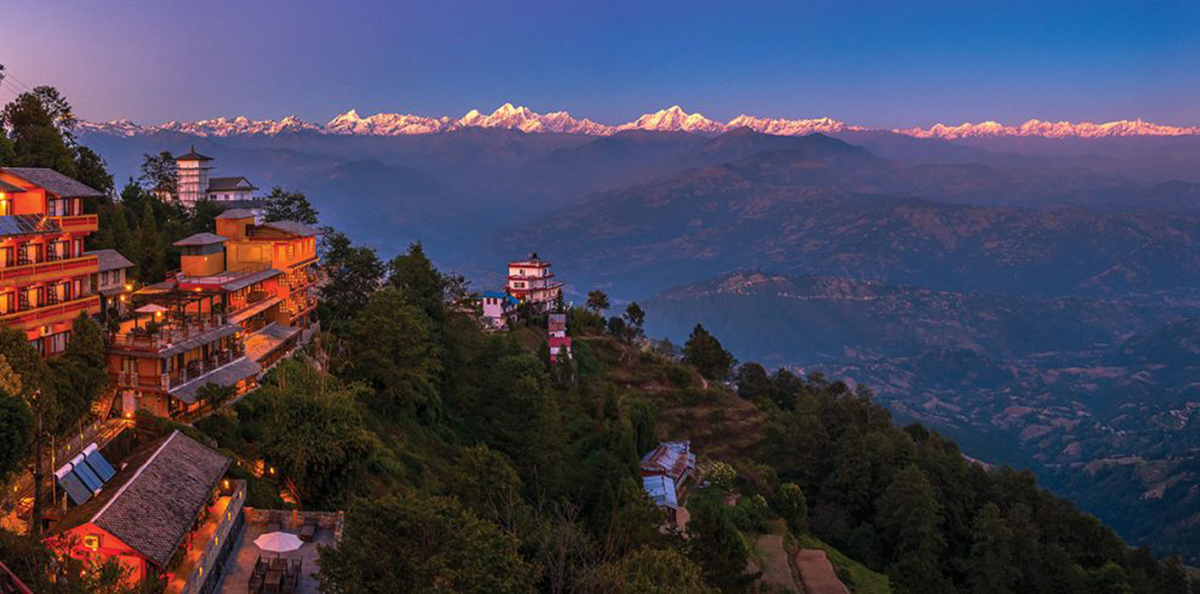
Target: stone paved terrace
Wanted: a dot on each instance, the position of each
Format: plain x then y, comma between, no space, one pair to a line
236,578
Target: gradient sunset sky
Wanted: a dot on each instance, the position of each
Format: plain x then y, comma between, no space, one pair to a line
887,63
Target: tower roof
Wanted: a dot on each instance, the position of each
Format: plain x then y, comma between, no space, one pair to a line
192,155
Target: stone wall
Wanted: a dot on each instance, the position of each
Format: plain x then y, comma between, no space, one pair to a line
333,521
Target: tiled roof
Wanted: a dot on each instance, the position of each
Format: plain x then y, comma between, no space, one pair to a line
292,227
110,260
236,213
192,155
54,182
153,500
201,239
226,184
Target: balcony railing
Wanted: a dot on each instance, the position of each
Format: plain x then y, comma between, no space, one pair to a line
167,334
198,368
51,313
27,270
84,223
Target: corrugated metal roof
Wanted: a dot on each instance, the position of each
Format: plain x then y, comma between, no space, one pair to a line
54,182
661,490
672,458
225,376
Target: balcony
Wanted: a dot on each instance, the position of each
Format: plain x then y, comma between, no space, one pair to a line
52,313
199,368
34,272
193,333
85,223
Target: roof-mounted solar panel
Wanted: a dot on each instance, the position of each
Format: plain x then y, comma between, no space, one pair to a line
86,474
98,463
74,487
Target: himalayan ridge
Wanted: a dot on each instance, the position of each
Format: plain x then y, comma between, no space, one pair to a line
673,119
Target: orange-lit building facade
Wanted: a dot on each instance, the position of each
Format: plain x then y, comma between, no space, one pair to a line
45,276
240,302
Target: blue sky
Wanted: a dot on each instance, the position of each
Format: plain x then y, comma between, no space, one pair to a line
893,63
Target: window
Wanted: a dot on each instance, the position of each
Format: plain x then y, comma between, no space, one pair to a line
58,342
39,345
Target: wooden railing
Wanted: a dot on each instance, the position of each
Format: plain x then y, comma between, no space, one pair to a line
49,269
198,368
166,335
49,314
84,223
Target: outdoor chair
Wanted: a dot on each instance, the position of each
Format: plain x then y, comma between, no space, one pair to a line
307,532
256,583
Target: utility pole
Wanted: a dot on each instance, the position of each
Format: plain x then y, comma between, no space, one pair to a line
35,525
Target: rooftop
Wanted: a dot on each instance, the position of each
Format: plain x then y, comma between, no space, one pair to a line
671,458
110,260
7,188
192,155
226,184
236,213
152,502
54,182
292,227
227,375
200,239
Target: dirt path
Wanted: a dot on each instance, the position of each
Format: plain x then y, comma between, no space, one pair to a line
816,572
777,575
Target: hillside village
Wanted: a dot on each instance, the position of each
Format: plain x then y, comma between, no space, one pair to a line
206,390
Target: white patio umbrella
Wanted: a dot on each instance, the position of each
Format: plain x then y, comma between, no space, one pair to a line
278,542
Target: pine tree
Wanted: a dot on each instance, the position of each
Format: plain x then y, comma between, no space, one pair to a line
716,546
911,520
990,568
704,352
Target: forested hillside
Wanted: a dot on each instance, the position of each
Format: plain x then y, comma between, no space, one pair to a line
465,460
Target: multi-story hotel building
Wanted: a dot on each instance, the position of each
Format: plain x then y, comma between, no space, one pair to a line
45,276
240,302
531,281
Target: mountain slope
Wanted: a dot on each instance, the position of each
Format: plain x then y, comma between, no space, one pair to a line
786,212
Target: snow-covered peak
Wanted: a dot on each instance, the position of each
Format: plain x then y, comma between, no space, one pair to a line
785,127
673,119
1046,129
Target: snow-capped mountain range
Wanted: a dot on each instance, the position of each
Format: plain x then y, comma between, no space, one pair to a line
673,119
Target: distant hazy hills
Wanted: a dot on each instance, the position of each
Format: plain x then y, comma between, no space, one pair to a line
816,205
809,319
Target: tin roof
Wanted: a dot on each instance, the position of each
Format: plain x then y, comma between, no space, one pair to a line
671,458
661,490
27,224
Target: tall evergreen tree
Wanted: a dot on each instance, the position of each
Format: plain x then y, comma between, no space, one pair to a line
716,546
416,278
353,273
910,517
283,205
990,568
703,351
